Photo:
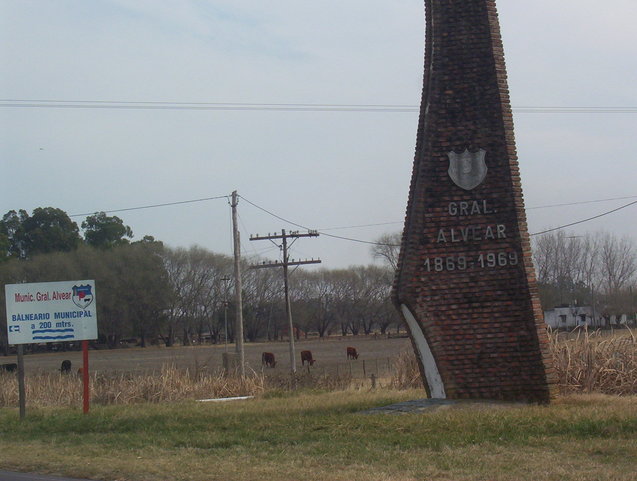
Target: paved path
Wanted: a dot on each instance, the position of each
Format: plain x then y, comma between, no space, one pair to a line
10,476
423,405
415,405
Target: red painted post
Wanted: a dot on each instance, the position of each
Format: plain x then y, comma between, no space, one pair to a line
85,374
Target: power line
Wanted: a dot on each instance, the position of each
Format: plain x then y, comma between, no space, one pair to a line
581,202
213,104
586,220
351,239
153,206
359,225
307,228
194,106
398,245
330,228
290,107
274,215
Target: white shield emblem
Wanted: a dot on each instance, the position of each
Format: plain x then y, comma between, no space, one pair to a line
82,296
467,169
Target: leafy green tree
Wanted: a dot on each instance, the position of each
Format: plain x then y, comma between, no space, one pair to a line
143,287
11,227
4,247
104,231
48,229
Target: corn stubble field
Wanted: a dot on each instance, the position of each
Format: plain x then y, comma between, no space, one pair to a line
145,425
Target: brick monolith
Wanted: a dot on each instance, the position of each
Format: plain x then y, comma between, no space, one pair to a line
465,282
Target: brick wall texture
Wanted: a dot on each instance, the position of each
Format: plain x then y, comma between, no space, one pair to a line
465,268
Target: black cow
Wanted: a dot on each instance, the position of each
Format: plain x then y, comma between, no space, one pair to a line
65,367
9,367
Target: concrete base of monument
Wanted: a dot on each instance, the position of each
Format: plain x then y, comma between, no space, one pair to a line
432,375
429,405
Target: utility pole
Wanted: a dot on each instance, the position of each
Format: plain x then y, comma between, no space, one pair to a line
237,287
225,280
285,264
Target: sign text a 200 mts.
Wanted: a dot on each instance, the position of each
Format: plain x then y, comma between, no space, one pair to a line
484,260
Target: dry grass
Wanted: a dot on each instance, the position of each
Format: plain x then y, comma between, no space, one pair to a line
591,362
171,385
406,372
586,363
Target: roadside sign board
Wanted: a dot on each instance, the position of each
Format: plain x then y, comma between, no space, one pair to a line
51,312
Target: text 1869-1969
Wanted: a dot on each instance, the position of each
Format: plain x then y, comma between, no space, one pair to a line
464,262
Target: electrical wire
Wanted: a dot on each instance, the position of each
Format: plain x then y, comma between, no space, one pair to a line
273,214
307,228
243,247
322,231
152,206
329,228
360,225
211,106
586,220
581,202
290,107
398,245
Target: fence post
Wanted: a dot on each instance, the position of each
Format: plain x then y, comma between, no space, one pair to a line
373,377
364,371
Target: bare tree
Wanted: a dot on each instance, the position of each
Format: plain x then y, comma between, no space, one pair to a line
195,276
262,301
595,269
387,248
618,261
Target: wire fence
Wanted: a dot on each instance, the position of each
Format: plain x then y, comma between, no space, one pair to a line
355,369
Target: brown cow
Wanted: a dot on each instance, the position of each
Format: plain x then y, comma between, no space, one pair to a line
307,356
351,353
267,359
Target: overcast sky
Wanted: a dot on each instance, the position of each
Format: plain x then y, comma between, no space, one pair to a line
324,170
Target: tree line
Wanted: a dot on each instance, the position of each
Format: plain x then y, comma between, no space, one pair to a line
597,269
154,293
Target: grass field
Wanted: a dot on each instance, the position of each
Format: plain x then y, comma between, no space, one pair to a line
144,424
330,354
324,436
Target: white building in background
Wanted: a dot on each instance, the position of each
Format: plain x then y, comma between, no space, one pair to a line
571,317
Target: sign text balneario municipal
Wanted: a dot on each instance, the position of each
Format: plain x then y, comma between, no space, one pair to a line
51,312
